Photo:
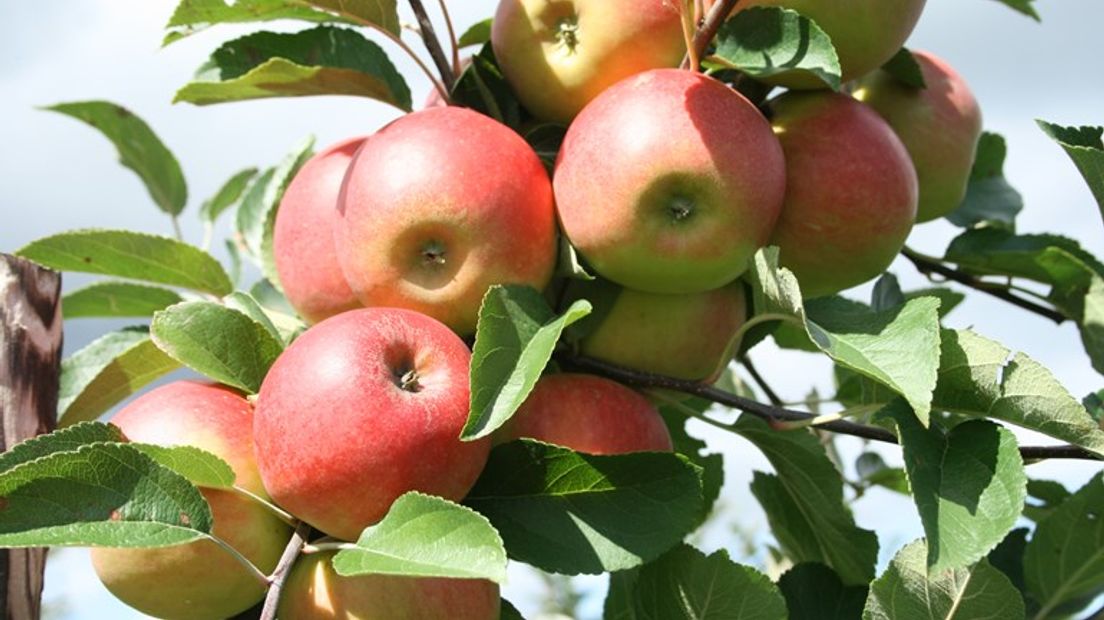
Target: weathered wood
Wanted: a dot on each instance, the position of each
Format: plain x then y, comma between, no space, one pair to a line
30,363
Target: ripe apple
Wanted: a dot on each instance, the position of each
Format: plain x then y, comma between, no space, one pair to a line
438,206
303,239
669,182
560,54
939,125
360,409
588,414
314,591
850,191
866,33
198,579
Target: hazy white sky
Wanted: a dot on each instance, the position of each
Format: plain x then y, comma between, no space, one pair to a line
59,174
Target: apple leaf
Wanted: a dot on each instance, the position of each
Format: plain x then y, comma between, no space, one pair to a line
804,503
514,339
969,485
1022,6
712,464
990,200
106,371
1048,495
192,16
219,342
255,219
117,299
814,592
949,299
1064,562
381,13
244,303
100,494
227,196
770,42
904,68
321,61
426,536
686,584
1008,557
483,88
61,440
478,34
620,603
572,513
131,255
139,149
1085,147
872,470
199,467
906,592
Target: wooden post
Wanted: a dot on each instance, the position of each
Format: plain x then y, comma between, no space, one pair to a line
30,364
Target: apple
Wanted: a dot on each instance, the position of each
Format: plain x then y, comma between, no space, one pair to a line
588,414
939,125
360,409
851,191
668,182
303,238
866,33
198,579
314,591
437,207
560,54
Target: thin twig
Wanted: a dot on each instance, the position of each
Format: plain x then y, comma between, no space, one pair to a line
774,414
278,576
716,16
928,266
433,44
452,37
771,395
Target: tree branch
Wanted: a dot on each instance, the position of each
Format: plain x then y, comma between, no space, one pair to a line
716,16
433,44
278,576
774,415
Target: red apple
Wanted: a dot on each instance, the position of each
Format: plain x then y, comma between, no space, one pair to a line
360,409
560,54
850,195
438,206
939,125
669,182
198,579
303,239
314,591
588,414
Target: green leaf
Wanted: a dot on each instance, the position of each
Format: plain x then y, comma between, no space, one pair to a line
1048,495
1094,404
425,536
101,494
1064,562
969,485
686,584
382,13
1023,6
977,378
321,61
228,195
507,611
906,592
106,371
620,603
712,464
989,200
483,88
872,470
244,303
199,467
887,293
216,341
192,16
814,592
1085,147
514,339
804,503
904,68
1049,259
139,149
132,255
949,299
117,299
1008,556
571,513
61,440
478,34
256,216
773,43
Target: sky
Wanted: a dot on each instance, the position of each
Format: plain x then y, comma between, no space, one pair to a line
59,174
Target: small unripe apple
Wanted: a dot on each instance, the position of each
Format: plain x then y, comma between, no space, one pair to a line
437,207
200,579
360,409
850,194
588,414
303,238
939,125
669,182
558,55
314,591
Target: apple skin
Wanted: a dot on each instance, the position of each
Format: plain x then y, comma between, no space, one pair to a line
851,191
314,591
558,55
303,238
866,33
669,182
339,434
437,207
199,579
939,125
588,414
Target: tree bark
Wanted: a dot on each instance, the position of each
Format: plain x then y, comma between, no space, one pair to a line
30,365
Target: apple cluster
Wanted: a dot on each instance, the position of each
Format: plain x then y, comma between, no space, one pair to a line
666,184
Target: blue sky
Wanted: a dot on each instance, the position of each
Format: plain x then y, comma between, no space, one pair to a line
59,175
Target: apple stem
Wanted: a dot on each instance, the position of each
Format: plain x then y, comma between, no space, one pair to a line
176,228
284,516
699,43
433,44
275,581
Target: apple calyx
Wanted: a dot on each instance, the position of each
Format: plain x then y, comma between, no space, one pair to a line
680,208
433,254
408,382
566,33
